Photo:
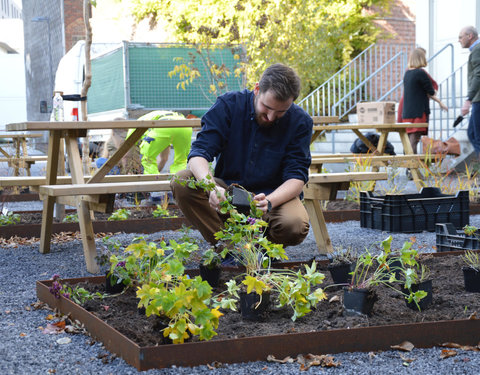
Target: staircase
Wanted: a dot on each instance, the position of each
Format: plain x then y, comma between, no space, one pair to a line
376,75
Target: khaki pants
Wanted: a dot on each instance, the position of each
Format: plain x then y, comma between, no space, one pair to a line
288,224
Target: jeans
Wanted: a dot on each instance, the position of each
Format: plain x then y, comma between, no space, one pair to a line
474,127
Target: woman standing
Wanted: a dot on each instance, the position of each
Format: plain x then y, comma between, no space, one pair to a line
418,88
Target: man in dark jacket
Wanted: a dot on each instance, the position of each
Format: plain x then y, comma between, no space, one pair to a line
260,140
468,38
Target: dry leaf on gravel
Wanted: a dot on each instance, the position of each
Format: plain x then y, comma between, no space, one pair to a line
405,346
447,353
462,347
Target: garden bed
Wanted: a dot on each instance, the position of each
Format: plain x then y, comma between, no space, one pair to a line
126,332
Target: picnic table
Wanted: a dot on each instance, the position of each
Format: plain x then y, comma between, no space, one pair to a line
98,192
377,152
20,158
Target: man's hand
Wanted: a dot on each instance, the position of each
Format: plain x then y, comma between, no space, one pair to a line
216,196
262,202
466,107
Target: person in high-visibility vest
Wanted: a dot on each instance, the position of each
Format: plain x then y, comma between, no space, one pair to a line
157,141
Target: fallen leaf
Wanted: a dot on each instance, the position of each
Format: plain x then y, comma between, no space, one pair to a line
23,334
473,316
334,299
271,358
54,328
49,317
27,308
462,347
7,311
405,346
371,355
214,365
64,340
105,307
310,360
406,359
446,353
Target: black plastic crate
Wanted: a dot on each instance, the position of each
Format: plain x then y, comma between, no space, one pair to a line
449,239
411,213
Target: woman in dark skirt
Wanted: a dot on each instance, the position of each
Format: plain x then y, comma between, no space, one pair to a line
418,88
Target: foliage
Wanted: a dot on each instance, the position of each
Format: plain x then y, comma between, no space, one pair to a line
342,256
72,218
162,209
385,268
471,259
470,230
9,218
78,295
291,32
165,290
211,258
119,215
109,246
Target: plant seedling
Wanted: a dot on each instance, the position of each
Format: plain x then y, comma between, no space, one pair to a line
119,215
471,259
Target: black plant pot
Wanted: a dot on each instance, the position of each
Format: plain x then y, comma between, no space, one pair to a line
424,302
341,272
471,278
160,326
115,288
210,275
250,307
358,301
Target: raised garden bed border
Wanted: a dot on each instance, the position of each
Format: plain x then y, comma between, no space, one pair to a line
422,335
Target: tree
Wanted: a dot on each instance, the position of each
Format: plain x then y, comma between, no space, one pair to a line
314,37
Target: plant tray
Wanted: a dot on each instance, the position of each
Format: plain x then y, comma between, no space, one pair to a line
410,213
449,239
422,335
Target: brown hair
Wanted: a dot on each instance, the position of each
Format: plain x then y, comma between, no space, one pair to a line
417,59
282,80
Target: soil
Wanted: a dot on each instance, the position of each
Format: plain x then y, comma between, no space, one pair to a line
450,302
142,212
145,212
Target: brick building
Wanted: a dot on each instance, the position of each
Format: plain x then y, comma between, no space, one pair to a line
51,28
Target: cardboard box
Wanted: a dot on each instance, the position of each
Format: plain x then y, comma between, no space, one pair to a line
376,113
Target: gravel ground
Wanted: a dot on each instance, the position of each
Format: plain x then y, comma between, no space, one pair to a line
24,349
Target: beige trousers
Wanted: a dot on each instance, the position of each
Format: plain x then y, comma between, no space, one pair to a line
288,224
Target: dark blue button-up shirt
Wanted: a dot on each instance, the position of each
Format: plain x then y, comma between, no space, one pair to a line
259,159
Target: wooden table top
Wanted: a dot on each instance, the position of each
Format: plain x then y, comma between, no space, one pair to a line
28,135
128,124
397,127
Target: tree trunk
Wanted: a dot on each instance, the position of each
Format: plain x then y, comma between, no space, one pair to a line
87,14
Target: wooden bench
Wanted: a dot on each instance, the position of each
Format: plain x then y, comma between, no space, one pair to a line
100,196
35,181
324,186
404,161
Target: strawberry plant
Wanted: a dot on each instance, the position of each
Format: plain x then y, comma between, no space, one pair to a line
119,215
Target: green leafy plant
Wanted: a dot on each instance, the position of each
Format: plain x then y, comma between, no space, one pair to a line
162,209
342,256
470,230
71,218
471,259
9,218
211,258
165,290
119,215
78,294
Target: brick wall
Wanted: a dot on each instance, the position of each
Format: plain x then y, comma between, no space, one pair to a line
397,34
74,25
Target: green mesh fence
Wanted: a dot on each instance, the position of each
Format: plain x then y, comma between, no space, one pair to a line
107,90
149,82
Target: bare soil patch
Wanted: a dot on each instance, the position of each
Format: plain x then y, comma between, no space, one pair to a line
450,302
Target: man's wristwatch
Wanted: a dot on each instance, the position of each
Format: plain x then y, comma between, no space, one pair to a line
269,207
